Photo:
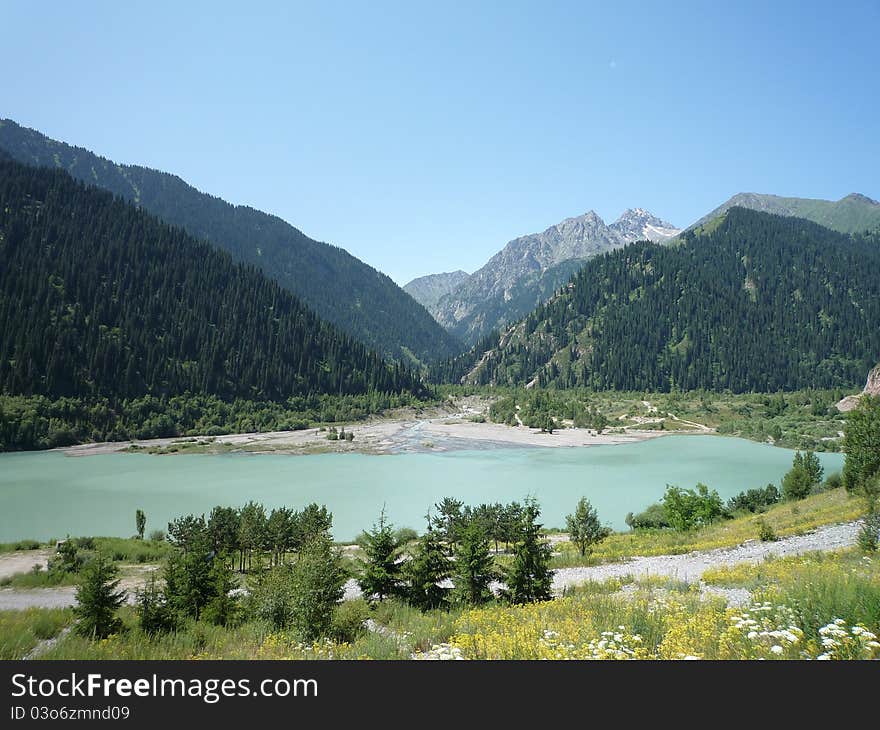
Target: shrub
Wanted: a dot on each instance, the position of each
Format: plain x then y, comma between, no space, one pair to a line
316,580
690,508
403,535
765,531
348,620
153,611
652,518
804,475
754,500
834,480
584,528
271,597
868,534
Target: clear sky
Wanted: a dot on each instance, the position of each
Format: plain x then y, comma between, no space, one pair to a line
422,136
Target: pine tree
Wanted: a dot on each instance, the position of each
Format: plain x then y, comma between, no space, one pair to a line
381,573
429,566
474,568
140,521
151,606
97,599
530,578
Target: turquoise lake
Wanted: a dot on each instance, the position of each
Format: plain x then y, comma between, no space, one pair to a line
47,494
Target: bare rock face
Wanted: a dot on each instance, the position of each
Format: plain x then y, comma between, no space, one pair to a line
529,269
872,387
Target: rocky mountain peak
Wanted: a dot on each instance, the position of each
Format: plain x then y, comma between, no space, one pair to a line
531,267
637,224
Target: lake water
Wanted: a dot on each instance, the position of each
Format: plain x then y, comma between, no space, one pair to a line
45,495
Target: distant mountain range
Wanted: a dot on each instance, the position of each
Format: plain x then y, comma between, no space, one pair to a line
363,302
748,302
428,290
530,268
853,214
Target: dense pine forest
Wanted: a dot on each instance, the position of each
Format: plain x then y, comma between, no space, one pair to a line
99,300
364,303
749,302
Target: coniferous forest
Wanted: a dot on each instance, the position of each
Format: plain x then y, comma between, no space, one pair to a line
100,300
362,302
750,302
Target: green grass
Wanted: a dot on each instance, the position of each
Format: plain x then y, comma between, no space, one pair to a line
10,547
125,550
21,631
132,550
39,579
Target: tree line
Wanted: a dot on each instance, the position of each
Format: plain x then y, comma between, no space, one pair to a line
40,422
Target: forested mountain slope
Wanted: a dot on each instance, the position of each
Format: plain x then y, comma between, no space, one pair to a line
361,301
98,298
753,302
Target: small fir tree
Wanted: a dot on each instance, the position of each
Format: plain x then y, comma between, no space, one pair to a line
529,577
429,566
97,599
474,568
381,573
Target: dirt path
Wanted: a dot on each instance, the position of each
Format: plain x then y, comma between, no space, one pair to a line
23,561
18,599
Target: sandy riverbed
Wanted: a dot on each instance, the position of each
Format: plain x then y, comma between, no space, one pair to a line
453,431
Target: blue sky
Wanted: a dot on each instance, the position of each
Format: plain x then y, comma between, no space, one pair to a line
422,136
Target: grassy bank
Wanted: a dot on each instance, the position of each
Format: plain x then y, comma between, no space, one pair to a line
21,631
786,518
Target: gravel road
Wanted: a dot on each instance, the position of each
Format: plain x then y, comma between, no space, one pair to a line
691,566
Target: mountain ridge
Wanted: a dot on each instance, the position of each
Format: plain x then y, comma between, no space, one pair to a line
529,268
853,213
755,302
428,290
363,302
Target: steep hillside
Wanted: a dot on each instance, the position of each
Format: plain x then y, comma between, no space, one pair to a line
529,269
98,298
757,302
361,301
428,290
855,213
